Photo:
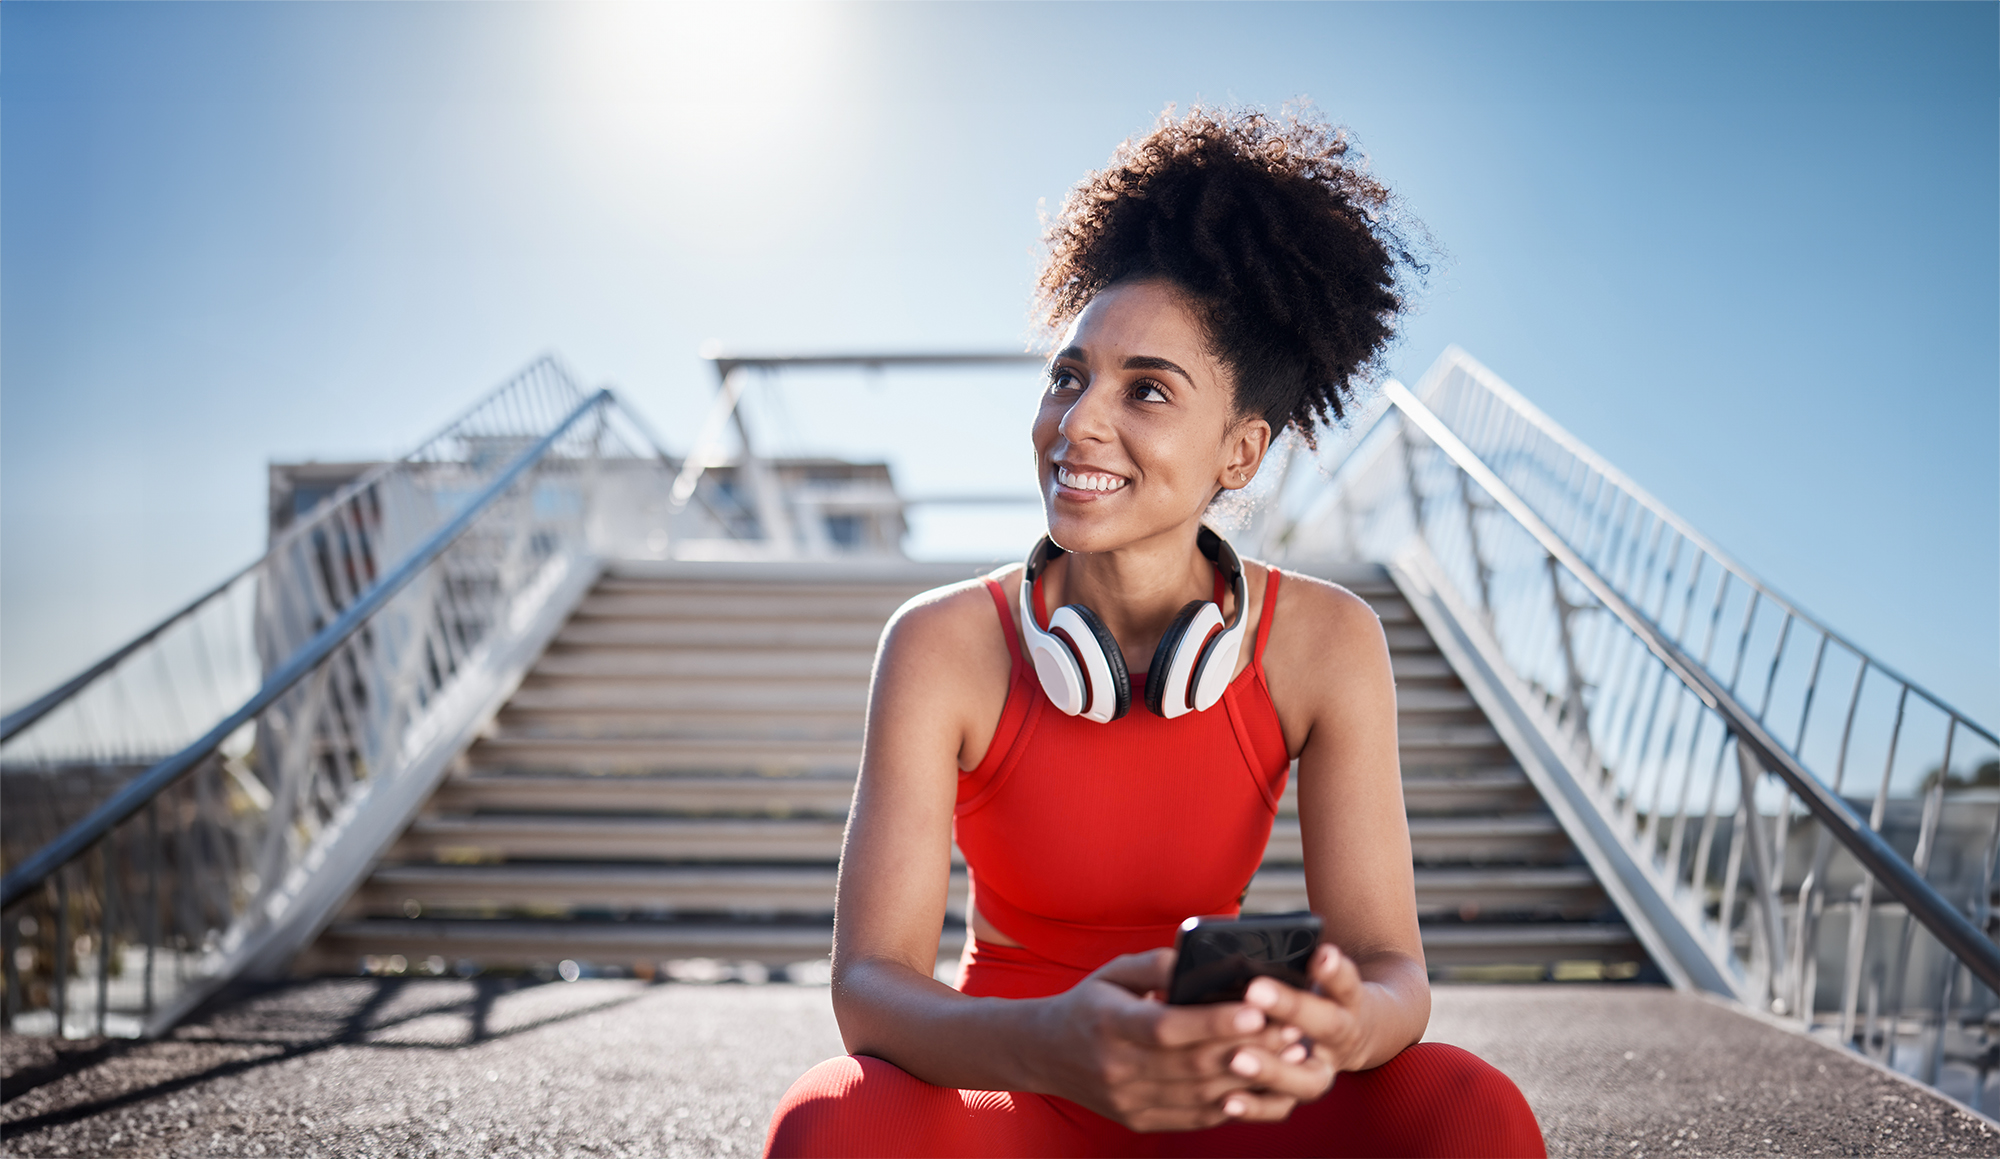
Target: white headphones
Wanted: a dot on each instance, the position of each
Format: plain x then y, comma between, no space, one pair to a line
1082,668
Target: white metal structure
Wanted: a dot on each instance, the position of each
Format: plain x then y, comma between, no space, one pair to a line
1782,818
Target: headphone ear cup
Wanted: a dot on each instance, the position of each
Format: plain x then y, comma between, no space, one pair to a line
1158,699
1113,657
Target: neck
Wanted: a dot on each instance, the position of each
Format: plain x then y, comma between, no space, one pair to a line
1136,589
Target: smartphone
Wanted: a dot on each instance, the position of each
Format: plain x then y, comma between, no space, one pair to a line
1218,957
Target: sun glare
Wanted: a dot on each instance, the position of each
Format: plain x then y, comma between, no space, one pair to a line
655,97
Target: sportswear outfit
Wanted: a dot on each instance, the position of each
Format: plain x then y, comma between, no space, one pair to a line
1084,841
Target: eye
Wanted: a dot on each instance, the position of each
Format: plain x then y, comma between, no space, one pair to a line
1062,379
1146,390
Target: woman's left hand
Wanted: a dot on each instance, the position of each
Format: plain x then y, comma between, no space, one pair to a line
1330,1015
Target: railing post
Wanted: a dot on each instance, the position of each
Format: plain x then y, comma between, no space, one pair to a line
1764,875
1573,706
9,973
1481,572
60,997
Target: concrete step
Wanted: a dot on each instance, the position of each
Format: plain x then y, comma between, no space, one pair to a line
1430,698
480,839
537,716
1428,667
643,755
860,634
1543,891
774,603
1500,789
907,577
1525,839
762,891
1520,839
691,693
527,942
692,795
742,726
712,664
1497,790
1407,638
1449,944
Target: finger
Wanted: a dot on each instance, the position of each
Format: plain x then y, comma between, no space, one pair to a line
1304,1077
1187,1025
1336,976
1293,1007
1257,1106
1139,973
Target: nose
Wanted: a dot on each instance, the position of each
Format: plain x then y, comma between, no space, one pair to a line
1088,419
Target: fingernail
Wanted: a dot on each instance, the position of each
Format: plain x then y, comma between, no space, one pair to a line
1249,1020
1234,1108
1294,1053
1292,1034
1245,1064
1263,992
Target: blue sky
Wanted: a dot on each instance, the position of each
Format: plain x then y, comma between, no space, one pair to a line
1750,253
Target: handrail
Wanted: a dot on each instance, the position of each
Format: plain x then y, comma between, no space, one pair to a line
322,512
1454,356
134,794
1951,928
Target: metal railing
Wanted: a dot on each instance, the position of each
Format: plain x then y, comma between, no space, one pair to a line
1825,829
241,760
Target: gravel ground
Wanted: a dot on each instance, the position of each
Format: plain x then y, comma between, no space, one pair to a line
1640,1071
614,1068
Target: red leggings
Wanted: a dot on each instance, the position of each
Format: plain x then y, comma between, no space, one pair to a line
1430,1100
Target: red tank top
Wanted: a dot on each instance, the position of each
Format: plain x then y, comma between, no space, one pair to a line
1085,841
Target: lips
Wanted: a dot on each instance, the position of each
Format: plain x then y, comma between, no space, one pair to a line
1099,482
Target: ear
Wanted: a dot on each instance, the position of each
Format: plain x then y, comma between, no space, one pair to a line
1243,449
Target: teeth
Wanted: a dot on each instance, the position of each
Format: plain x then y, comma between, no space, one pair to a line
1093,481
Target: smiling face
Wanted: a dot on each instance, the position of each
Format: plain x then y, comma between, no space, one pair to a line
1138,427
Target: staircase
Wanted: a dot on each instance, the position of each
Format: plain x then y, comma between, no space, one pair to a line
1502,893
671,780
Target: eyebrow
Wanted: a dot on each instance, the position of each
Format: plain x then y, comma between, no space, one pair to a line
1136,362
1145,362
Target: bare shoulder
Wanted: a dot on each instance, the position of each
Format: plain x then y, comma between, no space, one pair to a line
1317,616
952,634
1327,660
953,616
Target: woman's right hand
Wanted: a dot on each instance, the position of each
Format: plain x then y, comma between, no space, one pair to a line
1120,1051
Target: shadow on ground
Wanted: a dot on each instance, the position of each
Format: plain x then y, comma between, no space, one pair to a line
500,1067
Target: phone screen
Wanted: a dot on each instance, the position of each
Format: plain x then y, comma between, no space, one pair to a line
1218,957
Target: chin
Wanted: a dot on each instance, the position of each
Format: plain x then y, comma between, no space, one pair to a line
1081,532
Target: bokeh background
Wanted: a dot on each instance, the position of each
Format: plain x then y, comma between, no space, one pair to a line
1751,253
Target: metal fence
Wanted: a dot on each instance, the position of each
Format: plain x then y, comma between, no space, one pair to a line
1825,828
198,783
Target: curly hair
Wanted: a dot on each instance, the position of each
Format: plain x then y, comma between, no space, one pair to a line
1293,257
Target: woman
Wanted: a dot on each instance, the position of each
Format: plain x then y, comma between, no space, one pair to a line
1228,276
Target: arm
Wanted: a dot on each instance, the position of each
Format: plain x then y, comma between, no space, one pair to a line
1330,678
940,679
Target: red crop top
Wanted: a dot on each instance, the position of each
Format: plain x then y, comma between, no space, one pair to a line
1085,841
